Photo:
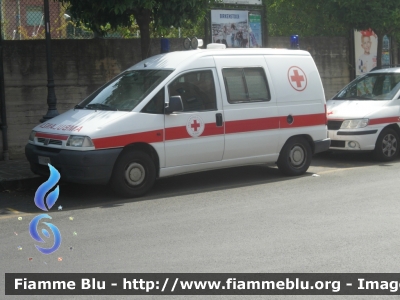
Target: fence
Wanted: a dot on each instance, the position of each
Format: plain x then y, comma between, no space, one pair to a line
24,20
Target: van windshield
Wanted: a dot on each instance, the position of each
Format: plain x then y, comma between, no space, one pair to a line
126,91
373,86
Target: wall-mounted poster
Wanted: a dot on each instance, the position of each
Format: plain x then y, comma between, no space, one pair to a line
386,51
255,30
230,27
366,45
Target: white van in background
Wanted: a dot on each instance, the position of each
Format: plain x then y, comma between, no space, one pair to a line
189,111
365,115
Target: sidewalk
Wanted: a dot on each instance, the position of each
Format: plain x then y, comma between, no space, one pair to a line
16,174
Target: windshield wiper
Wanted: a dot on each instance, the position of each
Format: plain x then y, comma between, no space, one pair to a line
100,106
78,106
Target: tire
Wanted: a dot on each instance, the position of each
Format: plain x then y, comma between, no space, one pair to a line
295,157
387,145
134,174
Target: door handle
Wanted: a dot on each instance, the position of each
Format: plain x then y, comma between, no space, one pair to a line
218,117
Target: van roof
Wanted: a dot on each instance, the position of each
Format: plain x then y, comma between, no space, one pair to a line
172,59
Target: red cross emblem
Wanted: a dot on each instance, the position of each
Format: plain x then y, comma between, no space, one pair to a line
195,125
297,78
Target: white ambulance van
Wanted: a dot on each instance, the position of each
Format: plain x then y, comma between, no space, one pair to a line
365,115
189,111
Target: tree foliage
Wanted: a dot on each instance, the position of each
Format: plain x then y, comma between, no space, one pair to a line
382,16
334,18
100,14
303,17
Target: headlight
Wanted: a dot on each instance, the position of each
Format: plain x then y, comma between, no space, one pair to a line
352,124
32,136
79,141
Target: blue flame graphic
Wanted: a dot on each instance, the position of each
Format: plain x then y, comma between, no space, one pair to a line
47,186
35,235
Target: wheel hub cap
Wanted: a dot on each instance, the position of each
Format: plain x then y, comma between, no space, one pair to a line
135,174
389,145
297,156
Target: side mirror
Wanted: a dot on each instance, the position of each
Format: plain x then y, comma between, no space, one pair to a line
175,104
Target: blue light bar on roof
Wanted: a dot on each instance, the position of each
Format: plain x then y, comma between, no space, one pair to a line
294,42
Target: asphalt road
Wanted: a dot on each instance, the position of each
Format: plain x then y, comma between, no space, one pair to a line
248,219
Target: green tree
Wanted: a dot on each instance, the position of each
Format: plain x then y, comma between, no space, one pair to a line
334,17
382,16
99,14
303,17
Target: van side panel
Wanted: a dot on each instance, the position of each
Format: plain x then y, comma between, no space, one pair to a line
133,128
251,128
300,96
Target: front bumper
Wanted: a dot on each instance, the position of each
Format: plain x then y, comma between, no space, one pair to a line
353,140
321,146
88,167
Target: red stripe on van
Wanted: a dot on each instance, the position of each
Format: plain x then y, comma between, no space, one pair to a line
177,133
123,140
52,136
384,120
251,125
304,120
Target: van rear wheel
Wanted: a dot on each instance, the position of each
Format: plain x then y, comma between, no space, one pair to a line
387,145
295,157
134,174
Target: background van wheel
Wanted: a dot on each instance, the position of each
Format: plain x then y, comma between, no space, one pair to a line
295,157
387,145
133,175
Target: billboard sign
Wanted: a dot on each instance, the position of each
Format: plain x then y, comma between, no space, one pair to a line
236,28
366,49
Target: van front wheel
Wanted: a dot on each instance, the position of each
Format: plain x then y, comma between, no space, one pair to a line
387,145
295,157
134,174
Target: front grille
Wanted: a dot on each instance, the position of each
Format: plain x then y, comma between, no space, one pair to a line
334,125
48,149
55,142
49,141
338,144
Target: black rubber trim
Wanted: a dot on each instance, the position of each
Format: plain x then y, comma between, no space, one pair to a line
321,146
88,167
338,144
357,132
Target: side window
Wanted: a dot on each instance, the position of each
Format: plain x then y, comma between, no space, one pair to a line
155,105
196,89
235,85
246,85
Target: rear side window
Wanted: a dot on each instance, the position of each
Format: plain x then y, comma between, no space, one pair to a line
246,85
